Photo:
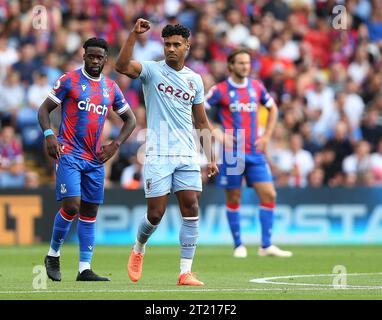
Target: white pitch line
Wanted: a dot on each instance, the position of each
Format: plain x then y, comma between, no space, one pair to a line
268,280
188,290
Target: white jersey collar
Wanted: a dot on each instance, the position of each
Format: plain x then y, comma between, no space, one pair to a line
237,85
89,76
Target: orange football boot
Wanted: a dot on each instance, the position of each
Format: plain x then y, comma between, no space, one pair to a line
189,279
134,266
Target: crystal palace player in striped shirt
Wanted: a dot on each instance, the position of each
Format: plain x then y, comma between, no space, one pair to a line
234,102
86,97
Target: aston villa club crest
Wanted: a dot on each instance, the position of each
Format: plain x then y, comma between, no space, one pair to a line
148,184
191,85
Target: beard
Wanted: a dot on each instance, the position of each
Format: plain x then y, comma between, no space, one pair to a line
241,75
94,71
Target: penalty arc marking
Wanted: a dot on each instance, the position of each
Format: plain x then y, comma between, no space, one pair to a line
274,280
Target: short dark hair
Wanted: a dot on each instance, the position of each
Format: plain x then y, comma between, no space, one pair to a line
173,30
235,52
96,42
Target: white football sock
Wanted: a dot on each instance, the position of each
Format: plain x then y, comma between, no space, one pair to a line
83,266
185,265
53,253
139,247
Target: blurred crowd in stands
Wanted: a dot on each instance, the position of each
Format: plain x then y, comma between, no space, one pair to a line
323,69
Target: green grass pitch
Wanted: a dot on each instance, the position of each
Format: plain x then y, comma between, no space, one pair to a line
307,275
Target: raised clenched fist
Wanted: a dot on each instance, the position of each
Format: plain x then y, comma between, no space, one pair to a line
141,26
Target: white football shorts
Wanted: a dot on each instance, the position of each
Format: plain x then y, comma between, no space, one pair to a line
165,174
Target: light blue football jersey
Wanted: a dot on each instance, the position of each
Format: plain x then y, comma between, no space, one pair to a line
169,97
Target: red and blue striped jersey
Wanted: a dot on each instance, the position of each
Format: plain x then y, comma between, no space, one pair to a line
237,109
85,103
